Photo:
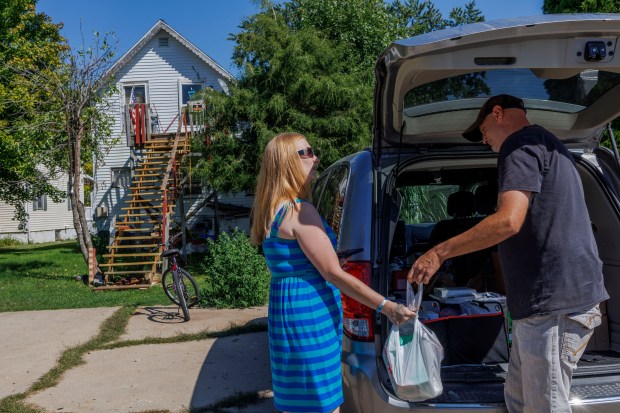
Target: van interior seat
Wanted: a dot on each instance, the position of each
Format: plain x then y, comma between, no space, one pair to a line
400,243
462,207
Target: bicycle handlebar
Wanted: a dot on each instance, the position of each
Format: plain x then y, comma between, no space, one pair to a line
174,237
168,243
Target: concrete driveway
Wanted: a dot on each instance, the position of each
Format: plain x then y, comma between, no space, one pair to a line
140,374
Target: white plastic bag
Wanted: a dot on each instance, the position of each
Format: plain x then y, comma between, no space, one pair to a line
412,355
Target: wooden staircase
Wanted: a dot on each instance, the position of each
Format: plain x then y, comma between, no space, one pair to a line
133,259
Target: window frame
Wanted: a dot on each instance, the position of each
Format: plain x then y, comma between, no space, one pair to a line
331,208
40,203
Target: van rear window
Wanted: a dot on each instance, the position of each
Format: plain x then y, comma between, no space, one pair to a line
571,94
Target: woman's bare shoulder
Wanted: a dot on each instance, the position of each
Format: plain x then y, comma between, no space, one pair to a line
307,212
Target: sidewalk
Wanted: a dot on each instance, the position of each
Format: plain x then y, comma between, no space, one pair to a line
138,378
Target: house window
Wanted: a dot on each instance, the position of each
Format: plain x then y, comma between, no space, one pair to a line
135,94
121,177
188,91
163,42
40,204
132,94
88,192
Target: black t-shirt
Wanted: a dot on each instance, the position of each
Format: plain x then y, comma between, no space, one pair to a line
551,265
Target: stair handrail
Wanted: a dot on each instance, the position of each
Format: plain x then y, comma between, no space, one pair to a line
171,168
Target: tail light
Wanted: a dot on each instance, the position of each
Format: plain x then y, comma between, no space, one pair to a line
358,319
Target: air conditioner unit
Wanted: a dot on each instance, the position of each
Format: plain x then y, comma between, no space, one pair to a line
101,212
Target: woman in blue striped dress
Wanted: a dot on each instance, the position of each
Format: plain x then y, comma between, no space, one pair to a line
305,312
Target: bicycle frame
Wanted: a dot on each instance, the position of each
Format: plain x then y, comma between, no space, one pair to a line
183,289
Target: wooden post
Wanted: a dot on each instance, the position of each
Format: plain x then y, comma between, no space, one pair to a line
143,122
147,120
136,122
91,265
128,126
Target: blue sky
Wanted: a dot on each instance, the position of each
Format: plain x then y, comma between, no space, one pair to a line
205,23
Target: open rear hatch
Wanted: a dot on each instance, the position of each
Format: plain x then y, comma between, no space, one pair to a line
430,87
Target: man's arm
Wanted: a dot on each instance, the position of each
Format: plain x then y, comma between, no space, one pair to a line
504,223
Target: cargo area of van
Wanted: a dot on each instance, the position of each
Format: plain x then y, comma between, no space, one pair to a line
464,304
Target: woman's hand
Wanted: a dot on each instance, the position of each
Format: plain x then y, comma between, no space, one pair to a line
397,313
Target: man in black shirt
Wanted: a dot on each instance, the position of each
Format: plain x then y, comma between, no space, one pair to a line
553,275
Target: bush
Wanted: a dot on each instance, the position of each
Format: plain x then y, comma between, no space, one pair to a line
100,241
10,242
237,275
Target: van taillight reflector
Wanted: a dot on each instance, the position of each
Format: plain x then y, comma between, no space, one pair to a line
358,319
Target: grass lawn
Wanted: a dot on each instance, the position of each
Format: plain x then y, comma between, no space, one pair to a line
42,277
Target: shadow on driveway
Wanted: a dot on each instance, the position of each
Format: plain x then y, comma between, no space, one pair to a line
237,366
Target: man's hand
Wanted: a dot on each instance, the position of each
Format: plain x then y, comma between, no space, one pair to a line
425,267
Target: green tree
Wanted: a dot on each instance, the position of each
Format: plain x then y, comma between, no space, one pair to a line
29,42
307,66
74,122
53,105
581,6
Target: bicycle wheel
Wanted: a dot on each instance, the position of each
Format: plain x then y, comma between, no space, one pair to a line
191,287
179,286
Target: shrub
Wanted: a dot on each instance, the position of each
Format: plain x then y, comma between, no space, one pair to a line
10,242
100,241
237,275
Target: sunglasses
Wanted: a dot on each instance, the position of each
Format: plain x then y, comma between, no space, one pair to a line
306,153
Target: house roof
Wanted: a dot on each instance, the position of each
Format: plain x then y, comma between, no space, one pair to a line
162,25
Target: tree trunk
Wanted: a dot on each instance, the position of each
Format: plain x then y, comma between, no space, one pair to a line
77,206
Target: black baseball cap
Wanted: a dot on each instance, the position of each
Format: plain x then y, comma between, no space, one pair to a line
505,101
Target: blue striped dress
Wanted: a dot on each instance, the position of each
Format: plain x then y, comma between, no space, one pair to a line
305,327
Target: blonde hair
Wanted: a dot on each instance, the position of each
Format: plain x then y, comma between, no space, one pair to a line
280,179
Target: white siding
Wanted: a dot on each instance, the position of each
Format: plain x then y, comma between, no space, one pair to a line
7,224
57,216
49,225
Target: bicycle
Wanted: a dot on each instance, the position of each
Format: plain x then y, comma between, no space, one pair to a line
178,284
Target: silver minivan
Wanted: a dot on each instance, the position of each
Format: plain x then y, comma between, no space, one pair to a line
422,182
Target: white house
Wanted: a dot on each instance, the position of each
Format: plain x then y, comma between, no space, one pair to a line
162,69
47,221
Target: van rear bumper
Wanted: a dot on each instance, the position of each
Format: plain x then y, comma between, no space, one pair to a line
364,391
361,396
